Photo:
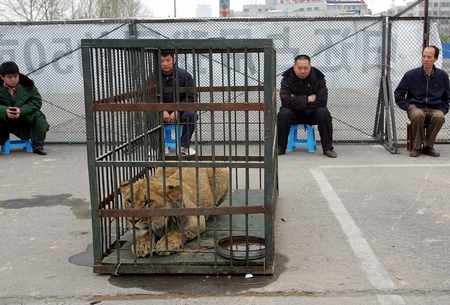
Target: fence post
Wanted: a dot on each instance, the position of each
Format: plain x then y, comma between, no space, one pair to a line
378,129
426,24
132,30
390,127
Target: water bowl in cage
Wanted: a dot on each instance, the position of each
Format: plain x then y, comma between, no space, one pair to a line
241,247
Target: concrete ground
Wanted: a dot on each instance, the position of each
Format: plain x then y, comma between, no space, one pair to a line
366,228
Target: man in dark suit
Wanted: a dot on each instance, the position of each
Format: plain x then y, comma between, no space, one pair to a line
424,94
304,97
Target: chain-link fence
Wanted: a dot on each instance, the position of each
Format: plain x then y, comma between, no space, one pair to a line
350,52
402,59
49,53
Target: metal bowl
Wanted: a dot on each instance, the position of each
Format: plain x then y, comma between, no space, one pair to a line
235,247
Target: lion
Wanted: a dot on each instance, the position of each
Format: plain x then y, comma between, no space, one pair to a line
173,232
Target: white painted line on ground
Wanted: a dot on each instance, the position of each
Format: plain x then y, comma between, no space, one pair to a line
389,299
385,165
375,272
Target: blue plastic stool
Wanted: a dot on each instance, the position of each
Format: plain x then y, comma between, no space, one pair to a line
9,145
294,142
172,135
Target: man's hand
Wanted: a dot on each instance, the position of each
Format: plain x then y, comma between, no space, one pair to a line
17,112
170,118
166,116
312,98
13,112
173,117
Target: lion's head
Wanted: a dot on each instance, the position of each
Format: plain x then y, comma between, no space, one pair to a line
148,193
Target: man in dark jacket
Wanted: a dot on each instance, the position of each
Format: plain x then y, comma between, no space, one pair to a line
304,96
424,94
20,104
179,94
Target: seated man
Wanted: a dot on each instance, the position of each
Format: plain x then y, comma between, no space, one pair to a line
304,96
20,104
423,93
184,79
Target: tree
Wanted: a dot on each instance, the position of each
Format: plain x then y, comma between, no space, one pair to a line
134,8
445,38
37,10
109,9
29,10
84,9
54,9
118,8
34,10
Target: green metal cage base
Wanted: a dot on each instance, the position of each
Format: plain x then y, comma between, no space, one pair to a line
199,256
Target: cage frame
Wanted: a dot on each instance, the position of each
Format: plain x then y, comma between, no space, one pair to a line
270,163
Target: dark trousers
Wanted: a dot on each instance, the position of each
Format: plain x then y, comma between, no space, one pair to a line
34,126
319,116
187,119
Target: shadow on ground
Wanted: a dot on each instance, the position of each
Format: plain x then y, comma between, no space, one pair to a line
187,284
195,285
79,207
85,258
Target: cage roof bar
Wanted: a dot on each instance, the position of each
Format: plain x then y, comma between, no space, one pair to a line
214,44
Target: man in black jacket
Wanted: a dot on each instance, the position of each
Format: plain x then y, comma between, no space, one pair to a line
424,94
304,96
180,94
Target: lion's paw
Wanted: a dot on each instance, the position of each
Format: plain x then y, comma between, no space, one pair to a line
142,248
174,243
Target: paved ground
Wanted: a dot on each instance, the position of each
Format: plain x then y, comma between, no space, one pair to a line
366,228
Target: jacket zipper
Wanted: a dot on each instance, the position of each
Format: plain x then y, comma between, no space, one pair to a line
426,92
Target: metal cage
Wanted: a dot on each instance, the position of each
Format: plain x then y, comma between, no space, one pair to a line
233,97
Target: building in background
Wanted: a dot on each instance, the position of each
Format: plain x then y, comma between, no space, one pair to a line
224,7
347,8
305,8
437,8
204,11
272,8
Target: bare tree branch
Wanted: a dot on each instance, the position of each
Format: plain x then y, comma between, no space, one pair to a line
32,10
35,10
54,9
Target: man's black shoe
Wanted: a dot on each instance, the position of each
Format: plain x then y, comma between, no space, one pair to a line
39,151
414,153
330,153
430,151
281,151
